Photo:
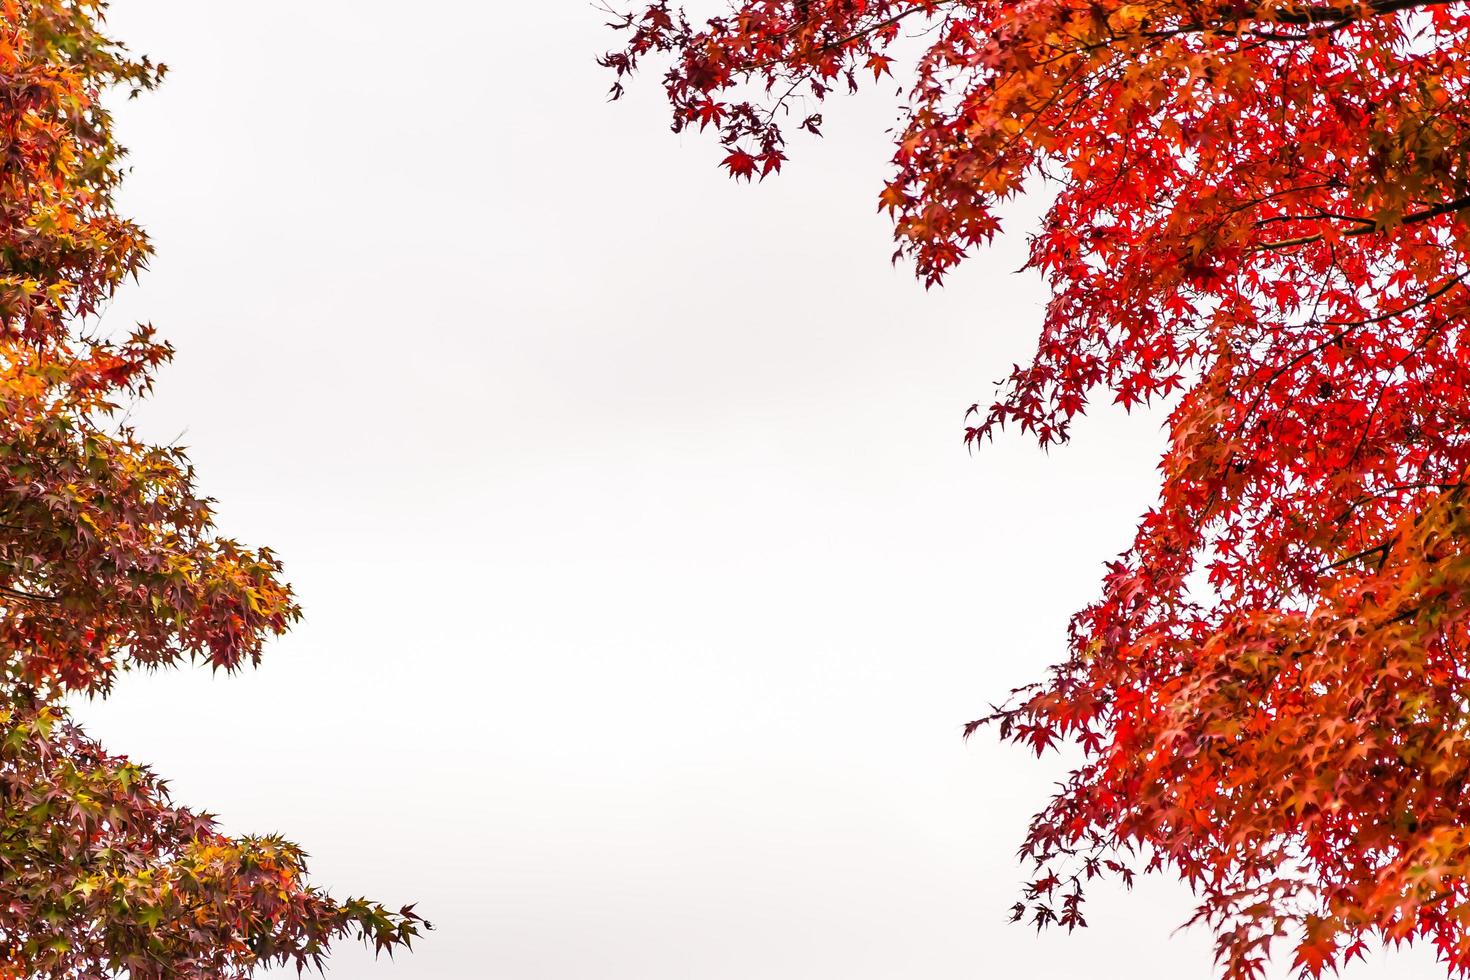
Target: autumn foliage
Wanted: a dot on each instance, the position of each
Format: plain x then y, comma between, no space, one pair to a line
1258,218
109,561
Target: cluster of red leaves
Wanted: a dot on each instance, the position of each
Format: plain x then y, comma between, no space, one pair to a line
109,560
1260,213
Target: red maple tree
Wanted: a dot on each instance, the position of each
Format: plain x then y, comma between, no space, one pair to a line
1259,213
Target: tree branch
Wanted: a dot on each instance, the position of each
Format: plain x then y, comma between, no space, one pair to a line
1418,217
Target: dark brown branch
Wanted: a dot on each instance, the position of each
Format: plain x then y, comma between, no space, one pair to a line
7,591
1330,17
1382,547
1418,217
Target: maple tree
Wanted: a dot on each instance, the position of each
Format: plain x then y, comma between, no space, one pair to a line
109,560
1257,214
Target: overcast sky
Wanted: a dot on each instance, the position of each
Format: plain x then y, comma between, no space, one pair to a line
647,581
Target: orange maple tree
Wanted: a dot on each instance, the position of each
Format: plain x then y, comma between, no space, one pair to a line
1259,214
109,560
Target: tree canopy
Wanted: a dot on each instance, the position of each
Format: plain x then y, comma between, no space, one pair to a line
109,560
1257,216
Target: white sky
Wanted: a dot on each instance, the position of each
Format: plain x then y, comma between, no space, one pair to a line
647,581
